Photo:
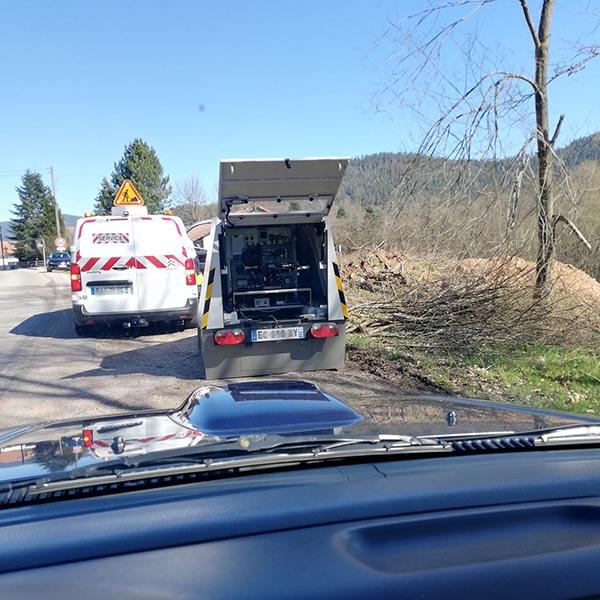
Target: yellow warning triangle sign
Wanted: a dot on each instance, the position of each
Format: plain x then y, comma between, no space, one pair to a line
128,195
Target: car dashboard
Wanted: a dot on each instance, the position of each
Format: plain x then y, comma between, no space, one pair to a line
517,524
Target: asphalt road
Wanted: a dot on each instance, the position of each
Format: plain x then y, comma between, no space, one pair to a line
47,372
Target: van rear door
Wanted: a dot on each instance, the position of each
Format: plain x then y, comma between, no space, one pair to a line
303,187
106,256
161,255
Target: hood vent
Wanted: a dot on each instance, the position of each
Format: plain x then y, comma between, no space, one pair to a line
513,442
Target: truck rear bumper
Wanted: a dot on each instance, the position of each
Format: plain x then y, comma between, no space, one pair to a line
189,312
264,358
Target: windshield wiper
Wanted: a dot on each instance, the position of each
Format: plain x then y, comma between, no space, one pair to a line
570,435
265,447
241,453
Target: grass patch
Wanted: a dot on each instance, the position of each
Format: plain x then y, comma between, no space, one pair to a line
539,376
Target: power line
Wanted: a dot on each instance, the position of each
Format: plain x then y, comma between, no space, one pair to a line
10,172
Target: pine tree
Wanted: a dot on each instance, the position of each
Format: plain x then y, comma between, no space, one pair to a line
105,197
139,163
34,217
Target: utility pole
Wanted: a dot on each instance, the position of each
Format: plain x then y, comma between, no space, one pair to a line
55,202
2,246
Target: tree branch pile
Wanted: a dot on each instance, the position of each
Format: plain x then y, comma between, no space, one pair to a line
464,305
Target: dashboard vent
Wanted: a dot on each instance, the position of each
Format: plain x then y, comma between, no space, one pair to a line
517,442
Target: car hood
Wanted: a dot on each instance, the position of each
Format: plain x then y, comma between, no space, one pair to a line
249,409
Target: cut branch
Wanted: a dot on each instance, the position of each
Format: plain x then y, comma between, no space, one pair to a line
558,218
557,130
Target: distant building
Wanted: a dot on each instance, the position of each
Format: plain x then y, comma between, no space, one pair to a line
8,248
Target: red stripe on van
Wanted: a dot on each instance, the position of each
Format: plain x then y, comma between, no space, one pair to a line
174,223
89,264
174,258
110,263
82,224
155,262
134,263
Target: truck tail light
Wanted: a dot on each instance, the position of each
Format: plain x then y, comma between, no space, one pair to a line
88,437
75,278
229,337
324,330
190,272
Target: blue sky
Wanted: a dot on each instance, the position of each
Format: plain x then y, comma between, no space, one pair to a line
201,81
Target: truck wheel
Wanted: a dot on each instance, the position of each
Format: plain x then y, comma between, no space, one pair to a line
82,330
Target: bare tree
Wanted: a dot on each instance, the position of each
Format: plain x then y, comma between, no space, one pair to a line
474,105
192,203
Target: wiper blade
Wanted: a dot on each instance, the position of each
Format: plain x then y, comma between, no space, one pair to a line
261,452
265,446
561,436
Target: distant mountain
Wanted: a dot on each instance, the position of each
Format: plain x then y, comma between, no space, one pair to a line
69,220
581,150
372,179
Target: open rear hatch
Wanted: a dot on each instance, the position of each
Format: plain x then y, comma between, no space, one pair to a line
274,239
259,191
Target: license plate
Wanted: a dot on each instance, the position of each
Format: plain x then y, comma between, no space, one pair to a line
109,291
281,333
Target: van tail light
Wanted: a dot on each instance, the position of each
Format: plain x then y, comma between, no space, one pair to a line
229,337
324,330
190,272
75,278
88,437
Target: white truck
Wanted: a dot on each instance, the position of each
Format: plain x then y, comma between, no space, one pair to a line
272,298
131,269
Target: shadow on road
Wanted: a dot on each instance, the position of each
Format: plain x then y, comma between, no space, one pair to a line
177,358
48,391
56,324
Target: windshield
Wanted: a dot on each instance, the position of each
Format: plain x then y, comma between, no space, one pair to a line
406,242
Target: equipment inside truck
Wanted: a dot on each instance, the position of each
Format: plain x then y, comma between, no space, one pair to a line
279,271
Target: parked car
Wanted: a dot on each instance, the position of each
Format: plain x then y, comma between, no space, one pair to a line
8,263
58,261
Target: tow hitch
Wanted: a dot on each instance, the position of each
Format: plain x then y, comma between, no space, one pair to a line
135,323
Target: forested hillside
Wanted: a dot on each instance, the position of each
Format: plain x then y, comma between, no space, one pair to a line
422,205
373,179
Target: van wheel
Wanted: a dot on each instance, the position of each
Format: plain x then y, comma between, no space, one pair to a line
81,330
85,330
49,270
190,324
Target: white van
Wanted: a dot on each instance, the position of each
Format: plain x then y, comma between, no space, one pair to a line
131,269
